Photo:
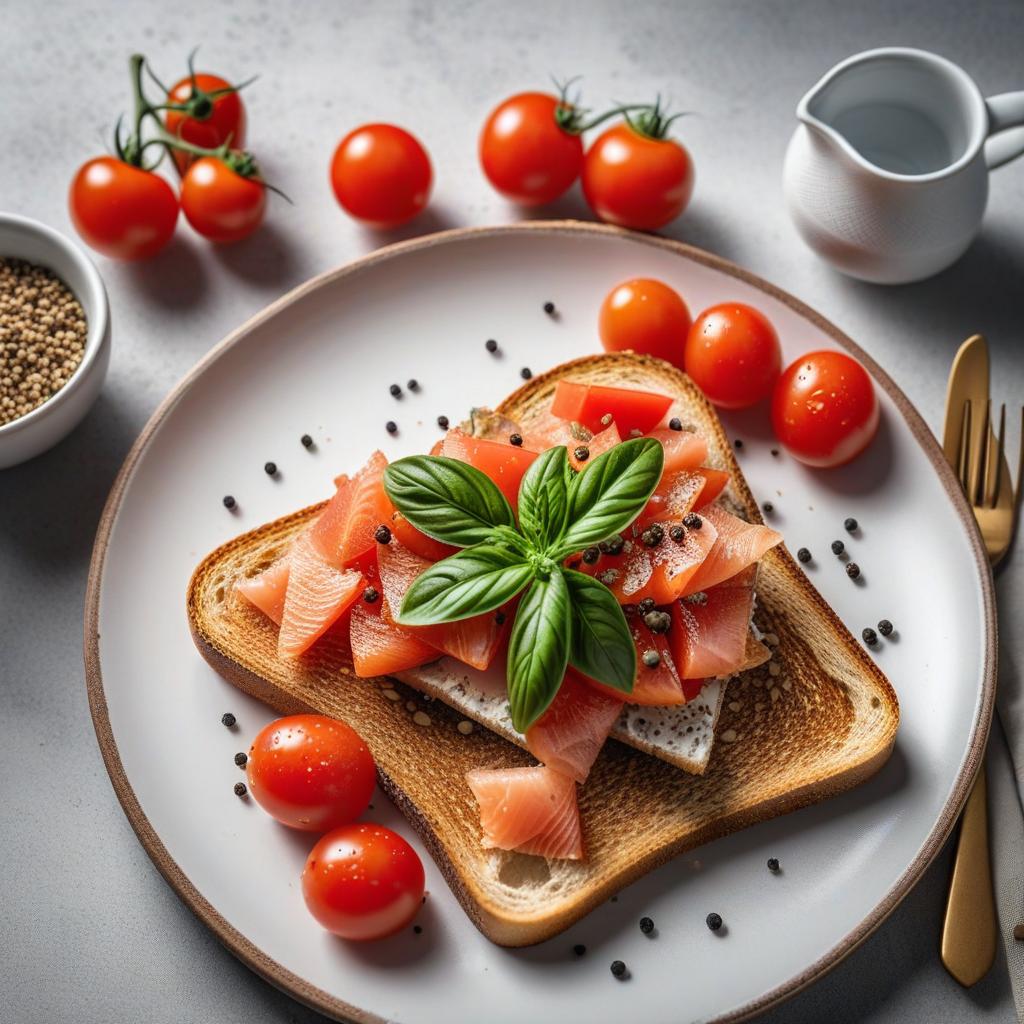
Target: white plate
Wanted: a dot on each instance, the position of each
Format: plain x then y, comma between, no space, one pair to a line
321,360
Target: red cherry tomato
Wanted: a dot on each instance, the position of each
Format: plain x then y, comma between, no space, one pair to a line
824,408
381,174
733,355
637,181
525,153
211,121
646,316
221,204
310,772
120,210
363,882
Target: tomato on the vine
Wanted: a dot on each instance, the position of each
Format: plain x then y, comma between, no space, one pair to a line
363,882
528,149
824,408
645,315
219,202
122,211
215,114
733,355
634,176
381,174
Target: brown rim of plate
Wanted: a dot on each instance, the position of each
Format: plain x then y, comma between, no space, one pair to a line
315,997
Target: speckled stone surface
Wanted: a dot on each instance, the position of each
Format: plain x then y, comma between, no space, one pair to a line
88,930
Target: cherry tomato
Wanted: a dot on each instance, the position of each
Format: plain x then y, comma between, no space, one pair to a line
310,772
363,882
525,153
211,120
122,211
381,174
637,181
220,203
646,316
824,408
733,355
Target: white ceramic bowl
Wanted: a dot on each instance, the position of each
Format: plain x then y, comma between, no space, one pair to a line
27,239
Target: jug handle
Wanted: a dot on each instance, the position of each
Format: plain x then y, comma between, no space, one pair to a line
1004,111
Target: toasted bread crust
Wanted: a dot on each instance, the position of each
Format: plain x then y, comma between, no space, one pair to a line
832,727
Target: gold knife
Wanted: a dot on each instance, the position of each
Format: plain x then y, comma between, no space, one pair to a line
969,930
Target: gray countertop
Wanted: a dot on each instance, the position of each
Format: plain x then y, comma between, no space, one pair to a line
88,930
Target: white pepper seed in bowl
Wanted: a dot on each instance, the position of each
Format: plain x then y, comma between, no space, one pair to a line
42,337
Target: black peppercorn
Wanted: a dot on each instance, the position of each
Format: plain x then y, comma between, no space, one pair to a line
549,308
417,929
526,373
692,521
382,535
579,949
516,440
229,501
773,865
885,627
306,441
491,345
737,444
591,555
775,452
803,555
240,759
714,921
442,422
391,427
853,570
228,719
413,384
675,423
270,468
618,968
653,535
240,789
658,622
646,925
395,390
850,524
646,605
870,636
371,595
838,547
499,618
615,546
768,507
651,658
677,533
582,453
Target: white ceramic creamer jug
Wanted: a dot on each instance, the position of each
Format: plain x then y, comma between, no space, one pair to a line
886,176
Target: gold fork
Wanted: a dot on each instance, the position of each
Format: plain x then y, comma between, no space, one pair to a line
969,930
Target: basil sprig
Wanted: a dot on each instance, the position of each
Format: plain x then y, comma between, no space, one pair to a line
565,617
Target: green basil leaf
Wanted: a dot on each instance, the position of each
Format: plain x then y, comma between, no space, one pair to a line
610,493
602,645
446,499
544,497
468,583
538,649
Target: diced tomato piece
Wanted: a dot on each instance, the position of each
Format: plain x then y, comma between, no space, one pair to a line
571,732
654,687
417,542
474,641
715,481
737,545
692,688
683,449
318,593
344,531
709,637
549,431
266,591
504,463
587,404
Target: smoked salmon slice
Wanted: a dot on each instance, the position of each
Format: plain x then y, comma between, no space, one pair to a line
657,686
530,810
474,641
344,531
715,481
737,545
266,590
683,449
676,495
503,462
571,732
317,595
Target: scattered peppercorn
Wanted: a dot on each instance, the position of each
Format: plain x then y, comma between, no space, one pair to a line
491,345
240,789
773,865
591,555
382,535
737,444
579,949
677,533
646,605
413,384
692,521
526,373
853,570
768,507
838,547
306,441
391,427
653,535
646,925
775,452
228,720
714,921
651,658
371,595
499,618
658,622
675,423
240,759
582,453
549,308
417,929
850,524
803,555
396,391
885,627
616,546
870,636
442,422
618,968
270,468
229,501
516,440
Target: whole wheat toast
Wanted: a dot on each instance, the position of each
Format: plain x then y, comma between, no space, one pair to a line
824,717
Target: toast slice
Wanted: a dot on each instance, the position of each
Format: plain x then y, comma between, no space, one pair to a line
820,713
